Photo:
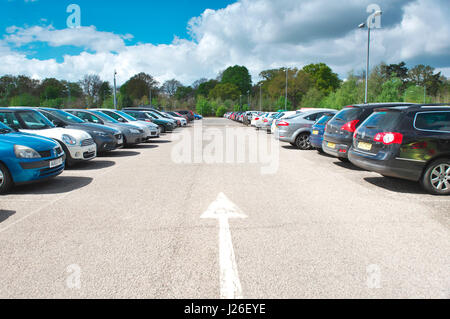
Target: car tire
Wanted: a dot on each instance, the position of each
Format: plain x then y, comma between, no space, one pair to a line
320,151
303,142
69,161
6,181
436,178
163,129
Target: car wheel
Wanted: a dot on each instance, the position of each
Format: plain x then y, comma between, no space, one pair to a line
69,161
436,179
5,179
320,151
303,142
163,129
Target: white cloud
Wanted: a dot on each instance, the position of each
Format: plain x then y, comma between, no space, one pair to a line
260,34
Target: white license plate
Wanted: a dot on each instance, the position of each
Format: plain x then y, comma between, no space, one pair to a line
56,162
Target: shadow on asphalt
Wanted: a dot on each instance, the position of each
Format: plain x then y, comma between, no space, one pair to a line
159,142
5,214
144,146
123,153
396,185
290,147
58,185
349,165
92,165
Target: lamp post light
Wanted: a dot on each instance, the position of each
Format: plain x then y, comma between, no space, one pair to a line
369,27
286,96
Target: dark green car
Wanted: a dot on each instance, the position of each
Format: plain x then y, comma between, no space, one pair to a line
149,116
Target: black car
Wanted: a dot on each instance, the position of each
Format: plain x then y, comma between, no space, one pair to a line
411,143
338,137
150,115
107,138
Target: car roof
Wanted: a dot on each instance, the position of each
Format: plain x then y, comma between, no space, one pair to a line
416,108
378,105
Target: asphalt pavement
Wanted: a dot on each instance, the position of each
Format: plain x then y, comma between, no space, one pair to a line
128,225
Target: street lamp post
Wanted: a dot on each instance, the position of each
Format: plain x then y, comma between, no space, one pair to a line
115,90
286,96
369,27
260,97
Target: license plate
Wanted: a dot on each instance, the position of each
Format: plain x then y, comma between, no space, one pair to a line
315,132
56,162
365,146
331,145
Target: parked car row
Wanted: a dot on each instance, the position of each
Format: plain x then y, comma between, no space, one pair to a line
397,140
39,143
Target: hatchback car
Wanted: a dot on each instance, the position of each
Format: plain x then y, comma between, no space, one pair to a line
78,145
143,114
26,158
318,129
296,130
338,137
189,114
107,138
151,130
411,143
132,135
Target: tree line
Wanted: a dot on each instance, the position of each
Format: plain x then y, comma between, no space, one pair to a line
315,85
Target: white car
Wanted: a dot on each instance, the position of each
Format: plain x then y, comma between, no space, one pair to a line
255,118
259,123
78,145
173,115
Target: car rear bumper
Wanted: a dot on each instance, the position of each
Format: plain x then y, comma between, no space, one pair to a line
388,165
316,141
340,150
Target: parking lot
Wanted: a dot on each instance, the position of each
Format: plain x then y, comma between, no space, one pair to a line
129,226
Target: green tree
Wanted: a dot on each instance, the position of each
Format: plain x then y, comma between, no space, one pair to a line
226,91
203,106
312,98
239,76
391,91
205,87
221,111
323,77
24,99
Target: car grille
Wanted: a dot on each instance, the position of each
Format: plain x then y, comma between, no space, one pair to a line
45,154
51,171
88,155
87,142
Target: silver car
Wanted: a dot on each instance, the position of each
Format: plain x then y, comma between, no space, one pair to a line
296,129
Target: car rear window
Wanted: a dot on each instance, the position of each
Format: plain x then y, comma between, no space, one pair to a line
349,114
386,121
433,121
324,119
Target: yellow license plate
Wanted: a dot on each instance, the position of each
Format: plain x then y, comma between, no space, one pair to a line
315,132
331,145
365,146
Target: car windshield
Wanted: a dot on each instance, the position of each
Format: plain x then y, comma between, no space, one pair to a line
155,115
27,120
67,117
104,117
3,128
127,116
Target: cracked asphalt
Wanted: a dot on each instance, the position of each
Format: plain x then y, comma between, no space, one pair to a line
127,225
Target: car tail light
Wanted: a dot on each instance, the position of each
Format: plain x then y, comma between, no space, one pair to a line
257,119
389,138
350,126
266,120
283,123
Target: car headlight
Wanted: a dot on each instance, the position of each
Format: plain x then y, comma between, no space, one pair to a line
69,139
25,152
134,131
102,134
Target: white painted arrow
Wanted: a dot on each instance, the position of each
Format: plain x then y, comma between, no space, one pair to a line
223,209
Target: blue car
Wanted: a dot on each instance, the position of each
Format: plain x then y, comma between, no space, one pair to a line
26,158
318,130
198,117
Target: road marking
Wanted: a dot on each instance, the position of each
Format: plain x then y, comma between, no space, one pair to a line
223,209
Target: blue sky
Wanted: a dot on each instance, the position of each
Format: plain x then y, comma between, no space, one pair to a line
259,34
151,21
